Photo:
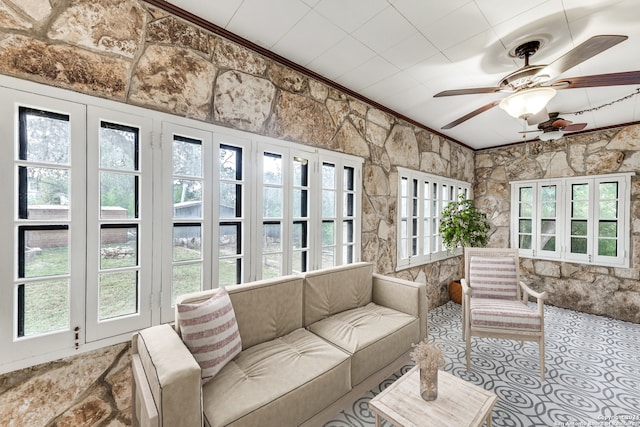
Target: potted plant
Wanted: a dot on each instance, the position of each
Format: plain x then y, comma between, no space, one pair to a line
462,225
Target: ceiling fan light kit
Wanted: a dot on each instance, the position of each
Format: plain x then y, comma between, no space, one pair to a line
551,136
527,102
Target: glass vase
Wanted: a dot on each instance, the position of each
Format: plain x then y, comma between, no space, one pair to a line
429,384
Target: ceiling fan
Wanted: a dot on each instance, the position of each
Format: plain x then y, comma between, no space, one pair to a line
555,127
537,81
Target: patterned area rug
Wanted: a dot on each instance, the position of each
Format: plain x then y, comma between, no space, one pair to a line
592,372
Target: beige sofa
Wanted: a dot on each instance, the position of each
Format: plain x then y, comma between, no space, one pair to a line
309,342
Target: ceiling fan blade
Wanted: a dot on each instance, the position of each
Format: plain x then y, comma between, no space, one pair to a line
472,114
574,127
597,80
539,117
582,52
561,123
469,91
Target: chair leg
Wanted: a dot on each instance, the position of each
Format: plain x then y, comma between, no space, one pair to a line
468,339
541,350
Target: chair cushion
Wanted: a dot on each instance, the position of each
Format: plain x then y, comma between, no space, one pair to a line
210,332
493,277
503,314
277,383
373,334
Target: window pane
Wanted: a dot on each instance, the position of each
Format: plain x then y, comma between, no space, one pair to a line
229,272
578,228
300,172
578,245
328,204
328,257
299,261
525,241
230,195
272,235
525,226
187,243
272,266
608,190
328,176
526,210
328,233
272,202
118,147
548,226
300,203
44,193
548,243
45,138
229,240
608,229
118,294
347,254
45,252
118,247
272,169
607,247
580,209
186,278
347,231
187,157
43,307
548,193
348,179
118,191
608,209
230,162
348,204
580,192
187,198
526,194
299,235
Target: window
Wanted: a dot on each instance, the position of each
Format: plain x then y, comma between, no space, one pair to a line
582,220
43,172
115,210
421,199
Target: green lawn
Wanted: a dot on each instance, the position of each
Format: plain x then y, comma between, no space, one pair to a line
47,301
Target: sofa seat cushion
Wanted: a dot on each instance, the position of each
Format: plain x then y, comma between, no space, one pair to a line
373,334
503,314
280,382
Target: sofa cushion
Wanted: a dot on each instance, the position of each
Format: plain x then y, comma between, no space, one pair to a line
210,331
373,334
336,289
279,382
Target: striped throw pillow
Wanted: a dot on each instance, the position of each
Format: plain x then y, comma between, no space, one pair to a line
210,332
493,277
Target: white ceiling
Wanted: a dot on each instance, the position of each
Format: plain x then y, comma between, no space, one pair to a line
399,53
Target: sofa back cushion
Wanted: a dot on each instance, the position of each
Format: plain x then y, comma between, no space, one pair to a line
334,290
265,309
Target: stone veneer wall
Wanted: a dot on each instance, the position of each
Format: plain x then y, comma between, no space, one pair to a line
128,51
613,292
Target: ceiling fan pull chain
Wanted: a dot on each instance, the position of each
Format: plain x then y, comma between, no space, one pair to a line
577,113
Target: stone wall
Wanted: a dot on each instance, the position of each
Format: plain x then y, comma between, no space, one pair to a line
613,292
130,52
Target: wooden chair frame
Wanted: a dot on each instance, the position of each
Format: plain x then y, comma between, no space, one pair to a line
523,294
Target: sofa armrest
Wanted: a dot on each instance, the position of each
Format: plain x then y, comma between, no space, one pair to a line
166,380
402,295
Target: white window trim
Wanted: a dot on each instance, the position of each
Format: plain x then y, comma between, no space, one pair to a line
440,252
563,204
